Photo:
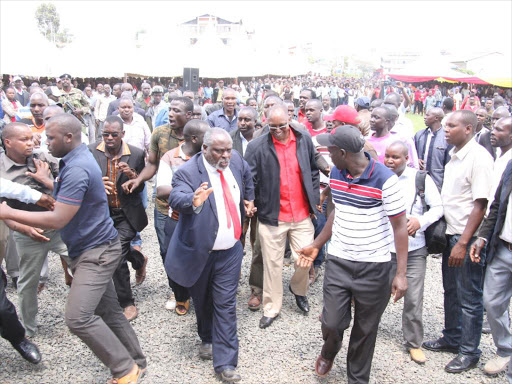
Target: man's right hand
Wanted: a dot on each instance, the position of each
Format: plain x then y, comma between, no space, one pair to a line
422,164
46,201
476,248
109,186
130,185
307,255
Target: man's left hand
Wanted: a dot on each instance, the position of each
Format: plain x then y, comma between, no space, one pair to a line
125,168
399,287
457,255
413,225
42,173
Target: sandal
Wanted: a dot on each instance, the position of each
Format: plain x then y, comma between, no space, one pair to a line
182,307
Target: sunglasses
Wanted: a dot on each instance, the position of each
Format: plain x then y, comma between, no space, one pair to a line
107,134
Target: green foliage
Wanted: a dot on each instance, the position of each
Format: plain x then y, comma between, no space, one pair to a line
48,22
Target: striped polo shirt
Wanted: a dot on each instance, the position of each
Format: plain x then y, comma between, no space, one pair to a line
361,230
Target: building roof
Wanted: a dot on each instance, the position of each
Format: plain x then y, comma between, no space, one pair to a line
219,20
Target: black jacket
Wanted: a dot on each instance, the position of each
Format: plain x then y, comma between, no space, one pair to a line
262,158
131,203
485,141
493,224
237,141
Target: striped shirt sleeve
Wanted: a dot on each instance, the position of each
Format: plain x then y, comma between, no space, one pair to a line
392,198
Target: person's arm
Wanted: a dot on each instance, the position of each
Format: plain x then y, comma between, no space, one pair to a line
399,285
42,174
309,253
476,216
413,154
149,170
164,180
433,200
34,233
56,219
407,100
211,120
23,193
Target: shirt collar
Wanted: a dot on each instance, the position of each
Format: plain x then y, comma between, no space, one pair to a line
291,138
123,151
70,155
367,173
461,154
8,163
223,114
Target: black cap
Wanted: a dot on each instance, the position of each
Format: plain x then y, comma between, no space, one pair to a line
345,137
66,76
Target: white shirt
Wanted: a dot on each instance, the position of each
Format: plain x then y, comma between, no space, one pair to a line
225,236
137,133
506,232
499,167
23,193
245,143
430,135
404,127
101,108
407,182
467,177
166,172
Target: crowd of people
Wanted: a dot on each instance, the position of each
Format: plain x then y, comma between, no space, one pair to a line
326,174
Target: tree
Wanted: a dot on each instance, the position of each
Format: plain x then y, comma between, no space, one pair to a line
48,22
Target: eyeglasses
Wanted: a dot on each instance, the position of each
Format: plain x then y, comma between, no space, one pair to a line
279,127
107,134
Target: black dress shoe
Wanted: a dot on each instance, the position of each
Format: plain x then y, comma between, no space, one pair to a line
302,301
461,363
28,351
230,375
205,351
439,345
266,321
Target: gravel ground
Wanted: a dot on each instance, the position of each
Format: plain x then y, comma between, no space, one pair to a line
283,353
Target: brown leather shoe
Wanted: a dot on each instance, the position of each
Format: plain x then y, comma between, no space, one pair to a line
254,303
140,274
131,378
323,366
131,312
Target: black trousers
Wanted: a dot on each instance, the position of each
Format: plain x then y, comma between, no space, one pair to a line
121,275
180,293
369,284
10,326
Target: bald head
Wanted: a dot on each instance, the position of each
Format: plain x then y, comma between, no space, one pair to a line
65,124
52,110
278,111
399,146
12,130
195,127
437,112
393,98
126,87
40,97
314,103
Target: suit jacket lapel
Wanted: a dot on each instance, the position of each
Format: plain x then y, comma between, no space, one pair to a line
203,176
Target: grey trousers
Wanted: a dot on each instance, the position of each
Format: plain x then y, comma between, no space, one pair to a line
412,314
256,274
93,312
33,255
497,293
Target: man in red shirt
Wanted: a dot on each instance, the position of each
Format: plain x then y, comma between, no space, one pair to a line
287,188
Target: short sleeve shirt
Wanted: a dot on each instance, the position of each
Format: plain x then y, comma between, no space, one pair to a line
79,183
163,140
467,177
361,230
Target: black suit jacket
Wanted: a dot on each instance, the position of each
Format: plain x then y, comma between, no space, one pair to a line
485,141
492,225
131,204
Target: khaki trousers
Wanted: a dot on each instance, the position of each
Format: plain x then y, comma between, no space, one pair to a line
273,243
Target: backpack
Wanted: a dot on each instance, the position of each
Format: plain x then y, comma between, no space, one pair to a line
435,234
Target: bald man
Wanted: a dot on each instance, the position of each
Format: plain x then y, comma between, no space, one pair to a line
485,138
433,150
82,216
20,164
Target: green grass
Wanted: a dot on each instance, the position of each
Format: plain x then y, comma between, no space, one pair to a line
417,121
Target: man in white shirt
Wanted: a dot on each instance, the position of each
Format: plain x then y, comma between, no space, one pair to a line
403,125
101,108
501,138
397,156
136,130
465,193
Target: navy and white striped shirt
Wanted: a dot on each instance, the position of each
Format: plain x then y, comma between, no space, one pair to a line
361,230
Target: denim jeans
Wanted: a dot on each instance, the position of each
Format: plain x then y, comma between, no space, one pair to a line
160,220
137,240
463,301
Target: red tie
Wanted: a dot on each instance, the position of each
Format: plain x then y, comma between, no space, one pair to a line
231,211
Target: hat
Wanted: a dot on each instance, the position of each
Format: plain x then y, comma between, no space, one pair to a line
16,78
345,137
345,114
157,89
65,76
363,102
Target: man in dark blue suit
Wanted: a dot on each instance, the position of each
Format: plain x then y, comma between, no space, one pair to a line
213,192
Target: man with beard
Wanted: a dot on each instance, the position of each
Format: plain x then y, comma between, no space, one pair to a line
212,192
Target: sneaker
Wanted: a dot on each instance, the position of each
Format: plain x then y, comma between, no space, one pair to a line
170,305
496,365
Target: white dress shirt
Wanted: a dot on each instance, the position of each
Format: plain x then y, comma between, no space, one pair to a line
407,181
506,232
225,236
499,167
137,133
467,177
245,143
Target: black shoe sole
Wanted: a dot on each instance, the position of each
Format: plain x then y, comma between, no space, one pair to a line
448,350
461,370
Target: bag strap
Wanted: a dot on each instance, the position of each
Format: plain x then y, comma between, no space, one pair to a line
420,190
